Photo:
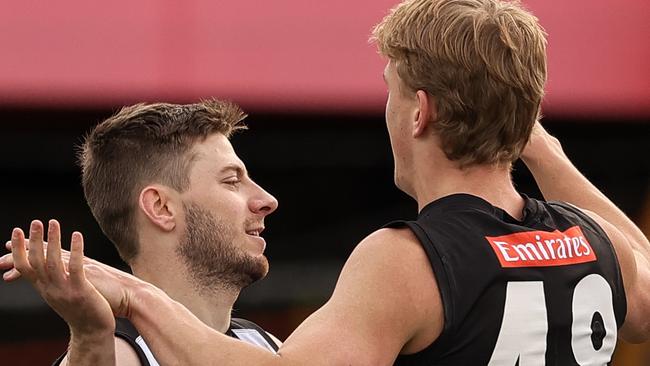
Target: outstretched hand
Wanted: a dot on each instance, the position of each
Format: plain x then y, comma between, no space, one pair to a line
62,285
115,286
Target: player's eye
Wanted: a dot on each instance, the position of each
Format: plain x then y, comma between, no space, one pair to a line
234,182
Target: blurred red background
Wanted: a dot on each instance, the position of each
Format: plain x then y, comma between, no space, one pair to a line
287,55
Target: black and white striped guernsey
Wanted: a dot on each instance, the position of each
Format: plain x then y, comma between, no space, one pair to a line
242,329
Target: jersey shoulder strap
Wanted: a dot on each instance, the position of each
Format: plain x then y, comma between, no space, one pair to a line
126,331
251,333
612,266
242,329
587,221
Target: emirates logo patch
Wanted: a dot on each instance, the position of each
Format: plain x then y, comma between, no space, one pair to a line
542,248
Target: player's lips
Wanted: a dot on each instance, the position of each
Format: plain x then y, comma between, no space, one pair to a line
255,231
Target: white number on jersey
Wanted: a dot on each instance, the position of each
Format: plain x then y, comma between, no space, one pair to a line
592,294
525,324
524,327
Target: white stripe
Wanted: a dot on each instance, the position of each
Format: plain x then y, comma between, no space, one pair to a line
253,337
147,352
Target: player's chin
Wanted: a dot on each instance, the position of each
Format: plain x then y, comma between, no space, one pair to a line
256,245
263,265
258,269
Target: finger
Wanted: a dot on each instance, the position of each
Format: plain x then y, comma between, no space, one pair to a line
75,266
8,245
53,263
6,262
21,263
35,254
9,248
11,275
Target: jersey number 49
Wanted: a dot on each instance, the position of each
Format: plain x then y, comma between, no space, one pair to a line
525,324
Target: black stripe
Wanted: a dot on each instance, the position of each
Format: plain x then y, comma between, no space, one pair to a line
126,331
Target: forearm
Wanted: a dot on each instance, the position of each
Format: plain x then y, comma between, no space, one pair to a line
91,350
558,179
177,337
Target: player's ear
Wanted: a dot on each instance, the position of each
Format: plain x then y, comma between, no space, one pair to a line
159,207
425,113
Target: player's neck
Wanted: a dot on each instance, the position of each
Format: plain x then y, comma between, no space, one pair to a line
492,183
213,307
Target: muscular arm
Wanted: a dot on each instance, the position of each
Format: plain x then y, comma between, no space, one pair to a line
559,179
385,302
85,353
90,349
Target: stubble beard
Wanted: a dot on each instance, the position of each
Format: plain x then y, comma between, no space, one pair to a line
213,260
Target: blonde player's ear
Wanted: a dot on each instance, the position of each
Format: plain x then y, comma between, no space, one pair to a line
158,206
425,113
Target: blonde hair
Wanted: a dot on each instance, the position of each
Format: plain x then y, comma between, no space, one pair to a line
484,63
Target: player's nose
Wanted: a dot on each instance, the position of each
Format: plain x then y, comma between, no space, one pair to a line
263,202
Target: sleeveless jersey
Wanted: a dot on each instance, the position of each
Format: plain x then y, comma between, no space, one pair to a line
546,290
242,329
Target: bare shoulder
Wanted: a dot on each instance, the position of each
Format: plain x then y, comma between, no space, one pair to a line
125,355
397,249
391,241
393,255
635,270
385,287
395,258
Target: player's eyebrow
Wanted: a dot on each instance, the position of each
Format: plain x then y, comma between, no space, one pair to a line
236,168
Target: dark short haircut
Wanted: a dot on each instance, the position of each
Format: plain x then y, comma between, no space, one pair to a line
140,145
